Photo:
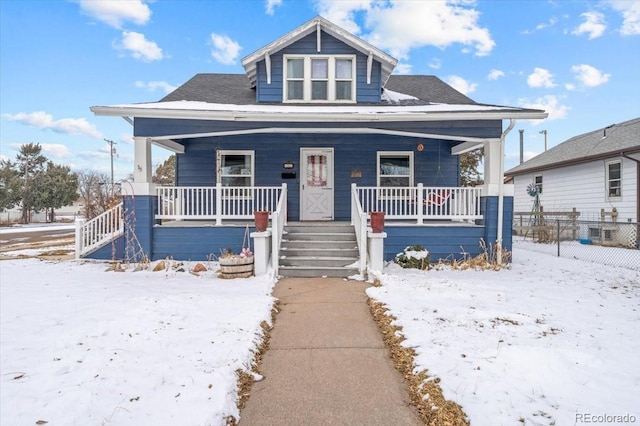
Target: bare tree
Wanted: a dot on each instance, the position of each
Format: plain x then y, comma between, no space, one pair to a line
95,192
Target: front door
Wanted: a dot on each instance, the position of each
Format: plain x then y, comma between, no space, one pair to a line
316,184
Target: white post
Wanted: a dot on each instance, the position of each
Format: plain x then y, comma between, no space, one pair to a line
376,250
79,224
218,204
420,204
261,251
142,182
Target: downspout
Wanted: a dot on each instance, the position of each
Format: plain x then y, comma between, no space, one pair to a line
512,123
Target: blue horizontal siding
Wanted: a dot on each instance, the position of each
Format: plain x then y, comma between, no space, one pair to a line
150,127
198,244
446,242
434,166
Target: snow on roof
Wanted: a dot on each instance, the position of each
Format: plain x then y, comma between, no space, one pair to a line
391,96
308,109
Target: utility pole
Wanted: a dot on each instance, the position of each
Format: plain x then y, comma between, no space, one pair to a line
544,132
112,151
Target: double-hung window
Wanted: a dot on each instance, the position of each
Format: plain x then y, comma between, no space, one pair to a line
537,180
235,168
319,78
395,168
614,179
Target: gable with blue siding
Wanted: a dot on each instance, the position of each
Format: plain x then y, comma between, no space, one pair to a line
365,93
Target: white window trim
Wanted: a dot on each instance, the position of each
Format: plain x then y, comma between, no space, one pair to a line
408,154
331,89
223,152
607,182
539,185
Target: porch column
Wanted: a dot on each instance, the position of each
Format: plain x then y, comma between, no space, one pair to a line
261,251
492,168
376,250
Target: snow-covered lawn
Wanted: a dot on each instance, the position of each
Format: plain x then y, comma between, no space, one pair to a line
551,341
543,342
81,346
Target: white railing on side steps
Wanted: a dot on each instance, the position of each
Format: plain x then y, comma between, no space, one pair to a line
278,221
359,221
94,233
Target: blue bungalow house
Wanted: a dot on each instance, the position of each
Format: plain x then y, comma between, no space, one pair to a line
320,133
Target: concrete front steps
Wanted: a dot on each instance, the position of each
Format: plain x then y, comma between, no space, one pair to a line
318,249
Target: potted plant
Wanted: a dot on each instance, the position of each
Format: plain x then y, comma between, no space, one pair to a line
261,218
377,222
237,265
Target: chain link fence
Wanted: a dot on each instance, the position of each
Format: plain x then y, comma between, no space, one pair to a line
606,242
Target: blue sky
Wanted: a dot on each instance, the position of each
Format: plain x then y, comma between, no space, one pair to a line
578,60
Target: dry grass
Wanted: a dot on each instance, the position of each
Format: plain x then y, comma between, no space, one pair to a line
487,260
246,378
425,392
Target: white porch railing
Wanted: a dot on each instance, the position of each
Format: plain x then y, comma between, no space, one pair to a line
215,202
420,203
359,221
94,233
278,221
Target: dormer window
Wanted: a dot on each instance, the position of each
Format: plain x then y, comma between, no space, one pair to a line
317,78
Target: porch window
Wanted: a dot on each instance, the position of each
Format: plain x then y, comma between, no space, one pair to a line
614,179
395,168
318,78
235,168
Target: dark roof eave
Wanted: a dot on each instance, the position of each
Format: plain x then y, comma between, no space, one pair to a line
572,162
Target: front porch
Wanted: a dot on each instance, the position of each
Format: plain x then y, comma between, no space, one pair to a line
198,223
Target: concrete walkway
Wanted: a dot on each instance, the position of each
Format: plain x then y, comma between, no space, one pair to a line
327,363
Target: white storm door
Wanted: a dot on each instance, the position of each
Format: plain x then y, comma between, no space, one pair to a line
316,184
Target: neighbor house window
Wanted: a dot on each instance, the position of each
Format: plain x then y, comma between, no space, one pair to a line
395,168
614,179
317,78
537,180
235,168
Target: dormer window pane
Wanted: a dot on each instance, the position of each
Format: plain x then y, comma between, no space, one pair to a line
319,68
343,69
295,68
295,90
318,90
343,90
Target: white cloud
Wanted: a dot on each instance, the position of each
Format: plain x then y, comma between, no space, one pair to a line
570,86
224,49
550,104
152,86
271,5
593,25
435,63
55,150
399,26
460,84
342,13
630,14
403,68
42,120
126,138
540,77
139,47
495,74
550,23
589,76
115,13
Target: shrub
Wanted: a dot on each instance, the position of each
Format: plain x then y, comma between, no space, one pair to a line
416,257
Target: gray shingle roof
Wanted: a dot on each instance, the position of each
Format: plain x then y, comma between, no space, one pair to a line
236,89
621,137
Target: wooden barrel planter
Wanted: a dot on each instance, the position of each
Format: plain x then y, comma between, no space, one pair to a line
236,267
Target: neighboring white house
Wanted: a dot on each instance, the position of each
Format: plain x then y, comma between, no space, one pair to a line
593,171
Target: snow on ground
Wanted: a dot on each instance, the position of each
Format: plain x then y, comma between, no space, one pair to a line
81,346
543,343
